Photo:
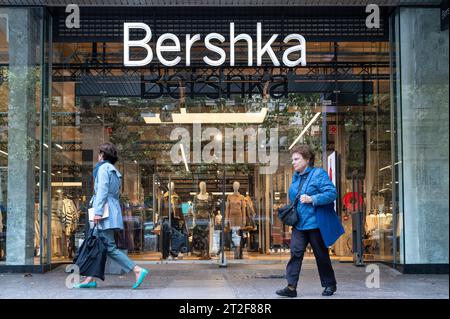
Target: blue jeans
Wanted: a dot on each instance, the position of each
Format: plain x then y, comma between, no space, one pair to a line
115,254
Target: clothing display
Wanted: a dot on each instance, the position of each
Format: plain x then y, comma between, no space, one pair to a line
235,219
69,216
236,241
190,221
218,221
175,203
375,222
58,236
64,223
175,235
215,249
132,233
235,210
249,212
203,207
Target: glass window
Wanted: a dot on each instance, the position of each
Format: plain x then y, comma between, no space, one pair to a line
212,148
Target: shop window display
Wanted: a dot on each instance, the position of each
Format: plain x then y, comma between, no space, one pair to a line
93,111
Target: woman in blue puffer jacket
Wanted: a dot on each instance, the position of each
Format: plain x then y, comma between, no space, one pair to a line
316,190
107,182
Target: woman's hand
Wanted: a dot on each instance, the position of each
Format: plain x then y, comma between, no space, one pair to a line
97,218
305,199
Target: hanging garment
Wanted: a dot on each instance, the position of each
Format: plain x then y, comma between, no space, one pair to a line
69,216
250,213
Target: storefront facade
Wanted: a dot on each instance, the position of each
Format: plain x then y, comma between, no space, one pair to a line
204,104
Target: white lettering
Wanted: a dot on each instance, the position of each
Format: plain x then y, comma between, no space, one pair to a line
233,41
190,309
189,43
185,140
301,47
127,43
258,144
373,19
214,48
73,19
261,48
267,48
373,280
168,48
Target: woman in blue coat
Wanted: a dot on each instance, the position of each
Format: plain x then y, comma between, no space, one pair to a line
107,182
318,224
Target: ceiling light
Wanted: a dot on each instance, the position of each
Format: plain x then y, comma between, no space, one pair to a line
220,118
66,184
4,153
59,146
305,129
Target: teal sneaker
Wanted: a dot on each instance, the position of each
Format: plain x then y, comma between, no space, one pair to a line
91,284
144,274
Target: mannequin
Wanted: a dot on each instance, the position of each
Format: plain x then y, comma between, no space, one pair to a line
175,203
203,212
218,221
235,208
235,218
177,219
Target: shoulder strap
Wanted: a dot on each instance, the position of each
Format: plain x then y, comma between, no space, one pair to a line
313,171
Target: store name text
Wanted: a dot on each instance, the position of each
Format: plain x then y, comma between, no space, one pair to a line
162,46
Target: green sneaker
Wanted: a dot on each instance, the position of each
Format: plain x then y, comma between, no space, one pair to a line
91,284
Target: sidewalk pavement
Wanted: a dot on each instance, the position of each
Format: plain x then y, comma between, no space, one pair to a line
238,280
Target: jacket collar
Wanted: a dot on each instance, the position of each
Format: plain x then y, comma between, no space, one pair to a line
298,174
113,168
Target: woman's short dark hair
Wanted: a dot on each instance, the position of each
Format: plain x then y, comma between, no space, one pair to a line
305,151
109,152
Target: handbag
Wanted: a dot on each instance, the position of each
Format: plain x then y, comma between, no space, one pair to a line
288,213
91,256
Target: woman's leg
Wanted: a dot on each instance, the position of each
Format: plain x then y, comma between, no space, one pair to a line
123,260
299,241
326,273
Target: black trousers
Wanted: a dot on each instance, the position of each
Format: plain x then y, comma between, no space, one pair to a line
299,241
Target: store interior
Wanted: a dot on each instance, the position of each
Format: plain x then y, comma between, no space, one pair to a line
213,204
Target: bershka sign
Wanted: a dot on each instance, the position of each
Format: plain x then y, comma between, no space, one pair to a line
169,42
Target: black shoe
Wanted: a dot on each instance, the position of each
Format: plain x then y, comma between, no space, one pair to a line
286,292
328,291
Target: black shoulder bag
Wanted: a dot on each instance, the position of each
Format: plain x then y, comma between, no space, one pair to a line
288,213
